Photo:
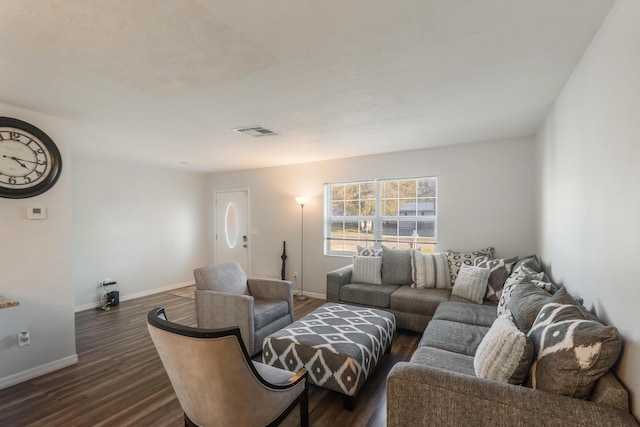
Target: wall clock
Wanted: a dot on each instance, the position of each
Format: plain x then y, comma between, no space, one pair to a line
30,162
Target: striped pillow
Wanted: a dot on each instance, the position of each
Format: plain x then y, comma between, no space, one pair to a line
430,270
367,269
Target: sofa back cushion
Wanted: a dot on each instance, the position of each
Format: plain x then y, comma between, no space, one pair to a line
527,270
526,301
396,266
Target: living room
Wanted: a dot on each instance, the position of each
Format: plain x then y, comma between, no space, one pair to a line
563,191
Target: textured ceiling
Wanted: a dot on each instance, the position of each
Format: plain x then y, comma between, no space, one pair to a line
164,82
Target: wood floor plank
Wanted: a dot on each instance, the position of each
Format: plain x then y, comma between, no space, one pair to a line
119,379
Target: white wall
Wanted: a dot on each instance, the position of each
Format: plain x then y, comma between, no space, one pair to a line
140,225
35,261
486,196
589,150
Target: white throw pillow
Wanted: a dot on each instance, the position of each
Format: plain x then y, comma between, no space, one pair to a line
367,269
471,283
504,354
430,270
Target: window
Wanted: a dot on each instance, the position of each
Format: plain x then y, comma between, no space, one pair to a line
397,212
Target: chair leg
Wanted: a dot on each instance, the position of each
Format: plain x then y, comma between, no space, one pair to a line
188,422
304,407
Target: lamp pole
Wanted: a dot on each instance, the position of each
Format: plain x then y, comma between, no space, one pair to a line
302,200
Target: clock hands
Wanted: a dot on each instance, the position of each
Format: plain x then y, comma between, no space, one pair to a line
19,160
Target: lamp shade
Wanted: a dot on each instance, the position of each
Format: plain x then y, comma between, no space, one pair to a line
302,200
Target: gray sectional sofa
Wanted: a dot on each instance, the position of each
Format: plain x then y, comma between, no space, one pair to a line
441,384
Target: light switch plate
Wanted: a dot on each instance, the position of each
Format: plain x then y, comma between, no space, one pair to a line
36,212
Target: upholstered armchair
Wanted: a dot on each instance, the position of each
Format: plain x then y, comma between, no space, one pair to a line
216,381
225,297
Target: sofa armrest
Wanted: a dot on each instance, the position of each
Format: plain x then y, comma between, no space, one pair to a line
272,289
336,279
221,310
419,395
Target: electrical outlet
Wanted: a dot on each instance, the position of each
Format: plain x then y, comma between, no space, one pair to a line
24,338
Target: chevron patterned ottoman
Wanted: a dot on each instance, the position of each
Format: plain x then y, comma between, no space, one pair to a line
338,344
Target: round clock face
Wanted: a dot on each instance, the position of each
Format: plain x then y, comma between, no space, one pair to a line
30,162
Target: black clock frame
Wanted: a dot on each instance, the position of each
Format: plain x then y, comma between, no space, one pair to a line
56,161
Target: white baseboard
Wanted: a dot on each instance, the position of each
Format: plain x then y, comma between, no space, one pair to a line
313,295
23,376
127,297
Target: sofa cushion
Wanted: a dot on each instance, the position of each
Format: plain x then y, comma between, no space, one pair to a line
455,298
572,352
396,266
457,259
523,273
430,270
442,359
500,271
504,354
366,269
463,312
419,301
453,336
471,283
525,302
363,294
267,311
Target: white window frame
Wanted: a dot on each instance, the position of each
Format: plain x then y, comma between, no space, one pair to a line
376,239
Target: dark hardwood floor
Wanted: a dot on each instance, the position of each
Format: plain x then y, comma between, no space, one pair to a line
119,379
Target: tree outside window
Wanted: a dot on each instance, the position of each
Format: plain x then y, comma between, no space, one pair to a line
398,213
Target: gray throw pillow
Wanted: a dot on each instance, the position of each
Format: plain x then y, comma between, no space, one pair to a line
521,274
366,269
571,352
396,266
526,301
504,354
471,283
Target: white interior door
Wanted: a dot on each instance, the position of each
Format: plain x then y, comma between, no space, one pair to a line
232,225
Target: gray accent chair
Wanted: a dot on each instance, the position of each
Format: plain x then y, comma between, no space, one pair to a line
225,297
216,381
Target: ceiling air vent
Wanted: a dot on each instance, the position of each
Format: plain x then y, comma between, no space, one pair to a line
254,131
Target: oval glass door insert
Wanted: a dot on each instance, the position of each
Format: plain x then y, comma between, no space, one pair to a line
231,225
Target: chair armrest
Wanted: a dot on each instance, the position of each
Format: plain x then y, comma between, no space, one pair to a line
302,373
419,395
336,279
220,310
271,288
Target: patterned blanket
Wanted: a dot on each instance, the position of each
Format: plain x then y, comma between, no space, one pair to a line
338,344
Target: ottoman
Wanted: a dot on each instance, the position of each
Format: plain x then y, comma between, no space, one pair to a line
338,344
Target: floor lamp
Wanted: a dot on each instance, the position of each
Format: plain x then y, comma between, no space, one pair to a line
302,200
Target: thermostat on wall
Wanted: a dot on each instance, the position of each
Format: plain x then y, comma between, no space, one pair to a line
36,212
